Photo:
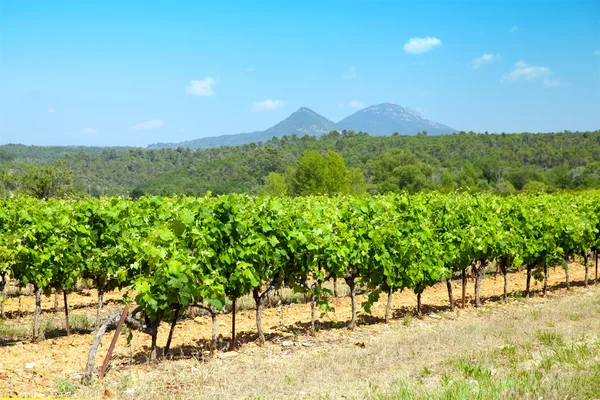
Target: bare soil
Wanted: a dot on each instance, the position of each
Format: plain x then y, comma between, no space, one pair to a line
54,366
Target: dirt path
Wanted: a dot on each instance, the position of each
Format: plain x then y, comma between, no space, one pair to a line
61,360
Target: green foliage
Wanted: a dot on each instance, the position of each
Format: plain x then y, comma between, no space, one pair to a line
175,252
399,169
54,180
320,175
357,181
66,387
8,183
466,161
275,185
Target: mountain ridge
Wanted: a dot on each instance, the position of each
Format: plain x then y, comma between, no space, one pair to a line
387,118
378,120
303,121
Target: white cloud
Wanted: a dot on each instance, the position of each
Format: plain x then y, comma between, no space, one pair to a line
523,71
484,59
147,125
268,105
351,74
421,45
89,132
51,110
513,29
597,52
202,87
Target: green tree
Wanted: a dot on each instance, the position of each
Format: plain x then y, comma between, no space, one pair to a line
318,175
399,169
357,182
54,180
504,187
535,187
275,185
8,183
336,174
309,178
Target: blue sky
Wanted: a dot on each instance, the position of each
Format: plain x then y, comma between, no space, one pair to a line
134,73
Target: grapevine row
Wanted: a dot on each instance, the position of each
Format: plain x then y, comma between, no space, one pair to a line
174,253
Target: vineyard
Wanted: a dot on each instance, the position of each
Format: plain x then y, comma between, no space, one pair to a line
164,256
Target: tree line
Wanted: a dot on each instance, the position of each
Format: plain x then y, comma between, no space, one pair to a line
499,163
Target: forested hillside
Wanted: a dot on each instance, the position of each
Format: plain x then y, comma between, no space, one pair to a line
42,154
502,163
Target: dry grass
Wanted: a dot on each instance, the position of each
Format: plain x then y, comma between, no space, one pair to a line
543,348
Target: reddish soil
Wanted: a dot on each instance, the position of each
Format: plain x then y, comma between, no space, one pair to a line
65,357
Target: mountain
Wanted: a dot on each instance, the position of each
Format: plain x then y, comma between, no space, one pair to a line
387,118
302,122
379,120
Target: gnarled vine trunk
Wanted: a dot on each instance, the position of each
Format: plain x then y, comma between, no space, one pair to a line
154,347
233,306
213,342
351,282
55,301
567,274
173,323
313,304
419,304
587,269
504,270
596,277
259,299
313,300
528,286
545,279
2,294
478,271
388,306
100,301
214,312
38,312
66,313
450,294
464,287
111,322
19,287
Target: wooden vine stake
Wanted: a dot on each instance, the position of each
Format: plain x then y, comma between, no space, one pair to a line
113,342
66,313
